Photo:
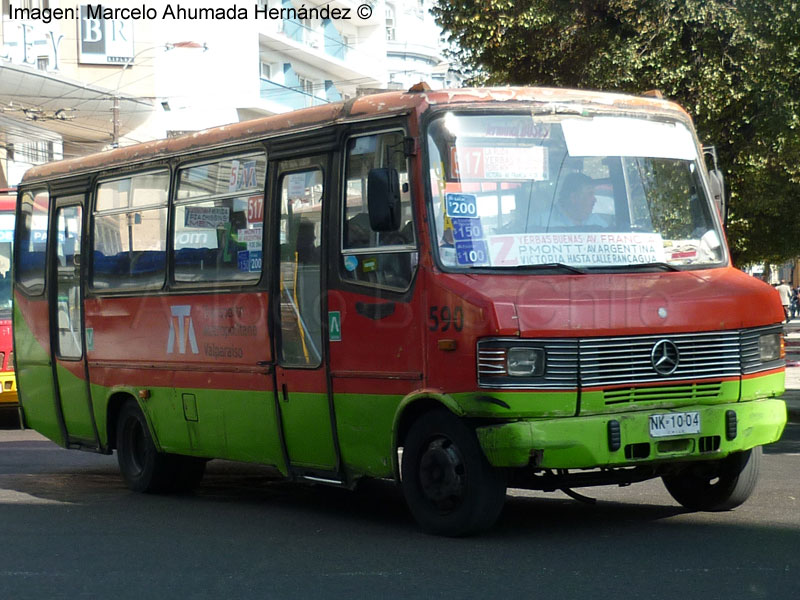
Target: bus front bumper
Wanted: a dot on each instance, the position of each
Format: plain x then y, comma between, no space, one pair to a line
8,390
624,439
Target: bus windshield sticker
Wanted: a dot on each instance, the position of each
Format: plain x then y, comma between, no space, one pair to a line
461,205
350,263
499,162
625,136
249,235
206,217
254,265
579,249
255,210
296,186
473,252
520,128
243,175
249,261
467,229
369,264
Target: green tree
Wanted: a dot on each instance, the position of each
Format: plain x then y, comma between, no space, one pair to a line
734,65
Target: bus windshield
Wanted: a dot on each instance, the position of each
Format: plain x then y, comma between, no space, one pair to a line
523,190
6,240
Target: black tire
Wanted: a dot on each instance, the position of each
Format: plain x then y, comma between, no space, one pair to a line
716,485
143,467
449,486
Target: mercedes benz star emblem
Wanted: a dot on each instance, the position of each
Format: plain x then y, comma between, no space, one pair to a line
665,357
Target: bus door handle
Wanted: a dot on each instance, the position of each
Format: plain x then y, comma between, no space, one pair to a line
284,393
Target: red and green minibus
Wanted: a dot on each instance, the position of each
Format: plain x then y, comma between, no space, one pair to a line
463,291
8,383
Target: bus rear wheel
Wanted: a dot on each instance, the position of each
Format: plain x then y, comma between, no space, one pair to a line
449,486
716,485
143,467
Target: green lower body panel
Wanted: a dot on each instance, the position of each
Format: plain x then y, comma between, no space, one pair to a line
585,442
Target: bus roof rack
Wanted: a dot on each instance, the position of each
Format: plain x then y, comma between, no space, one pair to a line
653,94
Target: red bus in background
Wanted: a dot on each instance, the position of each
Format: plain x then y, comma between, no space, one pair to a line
8,385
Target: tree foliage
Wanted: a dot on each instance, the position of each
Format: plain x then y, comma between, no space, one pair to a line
733,64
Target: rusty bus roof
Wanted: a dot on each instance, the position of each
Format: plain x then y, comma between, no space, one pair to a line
362,108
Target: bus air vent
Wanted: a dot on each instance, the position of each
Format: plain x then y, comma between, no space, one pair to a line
708,443
637,451
663,393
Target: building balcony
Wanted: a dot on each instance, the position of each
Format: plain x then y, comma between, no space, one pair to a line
324,49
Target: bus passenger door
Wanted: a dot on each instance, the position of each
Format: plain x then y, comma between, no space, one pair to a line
376,356
302,389
66,302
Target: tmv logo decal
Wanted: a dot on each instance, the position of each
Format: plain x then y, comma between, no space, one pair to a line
182,314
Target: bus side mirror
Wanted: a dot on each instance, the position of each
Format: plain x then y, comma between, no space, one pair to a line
383,199
717,182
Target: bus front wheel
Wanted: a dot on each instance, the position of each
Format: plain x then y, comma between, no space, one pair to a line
449,486
716,485
143,467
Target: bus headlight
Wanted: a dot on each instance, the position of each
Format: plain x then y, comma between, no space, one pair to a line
525,362
770,347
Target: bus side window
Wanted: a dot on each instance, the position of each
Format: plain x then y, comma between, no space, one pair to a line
301,231
385,259
32,241
219,215
130,223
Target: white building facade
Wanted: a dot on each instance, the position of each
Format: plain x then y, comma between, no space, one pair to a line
77,78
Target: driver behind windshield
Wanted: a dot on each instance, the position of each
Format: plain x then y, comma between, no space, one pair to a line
575,204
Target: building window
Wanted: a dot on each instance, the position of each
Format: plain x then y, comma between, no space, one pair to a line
306,85
312,35
266,70
390,23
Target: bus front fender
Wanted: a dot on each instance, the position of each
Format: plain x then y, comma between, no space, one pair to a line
411,407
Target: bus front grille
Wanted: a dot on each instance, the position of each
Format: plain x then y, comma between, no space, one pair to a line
663,393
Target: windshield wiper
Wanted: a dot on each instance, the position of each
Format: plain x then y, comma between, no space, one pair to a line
651,265
544,267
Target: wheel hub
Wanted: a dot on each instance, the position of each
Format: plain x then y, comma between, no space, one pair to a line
442,473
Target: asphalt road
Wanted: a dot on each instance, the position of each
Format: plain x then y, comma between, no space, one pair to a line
70,529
